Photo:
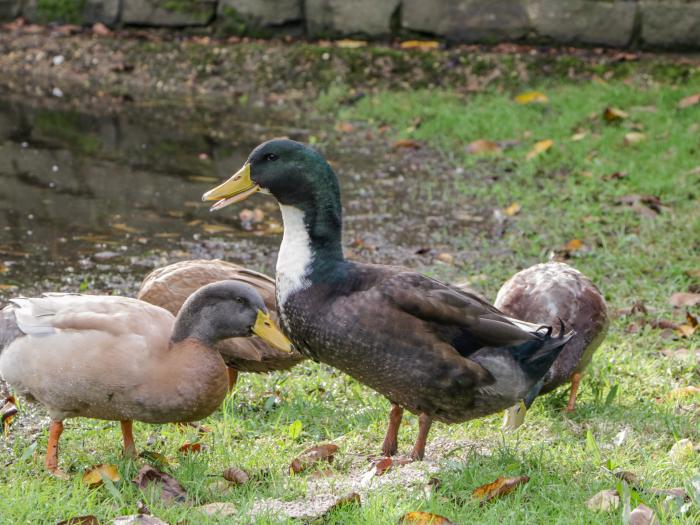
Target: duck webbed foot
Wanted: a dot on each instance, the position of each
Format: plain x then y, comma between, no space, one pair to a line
55,431
128,435
424,422
391,440
575,381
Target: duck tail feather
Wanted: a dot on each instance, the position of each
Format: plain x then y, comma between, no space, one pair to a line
9,329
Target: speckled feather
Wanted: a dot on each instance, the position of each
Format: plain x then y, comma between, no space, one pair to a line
547,292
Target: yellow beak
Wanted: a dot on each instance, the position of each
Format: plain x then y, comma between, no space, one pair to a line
239,187
267,330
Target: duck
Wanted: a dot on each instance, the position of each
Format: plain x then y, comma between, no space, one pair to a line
121,359
426,346
170,286
544,293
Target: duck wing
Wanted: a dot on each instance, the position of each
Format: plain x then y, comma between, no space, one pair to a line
461,319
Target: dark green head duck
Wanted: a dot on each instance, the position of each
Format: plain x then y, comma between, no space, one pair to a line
426,346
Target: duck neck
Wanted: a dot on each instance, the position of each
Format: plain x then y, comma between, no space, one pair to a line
311,247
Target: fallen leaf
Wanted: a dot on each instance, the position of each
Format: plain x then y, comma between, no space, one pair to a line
382,466
446,258
154,457
513,209
573,245
345,127
634,137
615,175
424,518
352,498
189,448
612,114
681,299
170,488
217,509
313,455
688,101
350,44
80,520
680,353
138,519
94,476
681,450
236,475
482,146
498,488
419,44
3,268
216,228
688,329
684,391
7,413
539,148
647,205
605,500
532,97
642,515
578,136
120,226
406,143
100,29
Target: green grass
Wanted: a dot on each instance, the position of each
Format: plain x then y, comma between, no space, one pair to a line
563,196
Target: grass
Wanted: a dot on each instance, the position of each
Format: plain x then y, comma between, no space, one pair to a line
565,193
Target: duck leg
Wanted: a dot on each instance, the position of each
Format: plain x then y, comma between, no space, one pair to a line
55,431
128,435
575,381
232,378
391,440
424,422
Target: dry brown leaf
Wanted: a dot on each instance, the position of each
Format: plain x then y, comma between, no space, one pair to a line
382,466
605,500
345,127
350,44
170,488
94,476
498,488
419,44
615,175
688,329
406,143
573,245
642,515
154,457
539,148
313,455
120,226
680,353
446,258
4,286
216,228
689,101
80,520
3,268
513,209
634,137
682,299
189,448
236,475
612,114
424,518
138,519
352,498
684,391
532,97
217,509
482,146
100,29
578,136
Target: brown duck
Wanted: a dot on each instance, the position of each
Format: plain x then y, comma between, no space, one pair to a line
424,345
121,359
169,287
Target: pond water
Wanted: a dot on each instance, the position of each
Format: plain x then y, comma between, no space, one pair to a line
94,200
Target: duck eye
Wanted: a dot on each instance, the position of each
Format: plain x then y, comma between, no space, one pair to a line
239,300
271,156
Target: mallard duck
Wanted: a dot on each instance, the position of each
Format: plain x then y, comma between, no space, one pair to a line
169,287
426,346
121,359
545,293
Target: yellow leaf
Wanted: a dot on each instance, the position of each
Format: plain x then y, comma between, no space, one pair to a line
498,488
684,392
423,518
578,136
483,146
120,226
420,44
351,44
94,476
513,209
539,148
573,245
532,97
634,137
612,114
689,101
216,228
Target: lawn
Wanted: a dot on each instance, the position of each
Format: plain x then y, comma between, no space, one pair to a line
619,199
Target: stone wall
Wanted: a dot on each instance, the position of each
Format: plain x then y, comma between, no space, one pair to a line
615,23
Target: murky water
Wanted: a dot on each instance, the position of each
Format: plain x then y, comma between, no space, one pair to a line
95,200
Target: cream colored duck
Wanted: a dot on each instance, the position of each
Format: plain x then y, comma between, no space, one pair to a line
122,359
169,287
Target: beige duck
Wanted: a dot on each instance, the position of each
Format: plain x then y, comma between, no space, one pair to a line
122,359
169,287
